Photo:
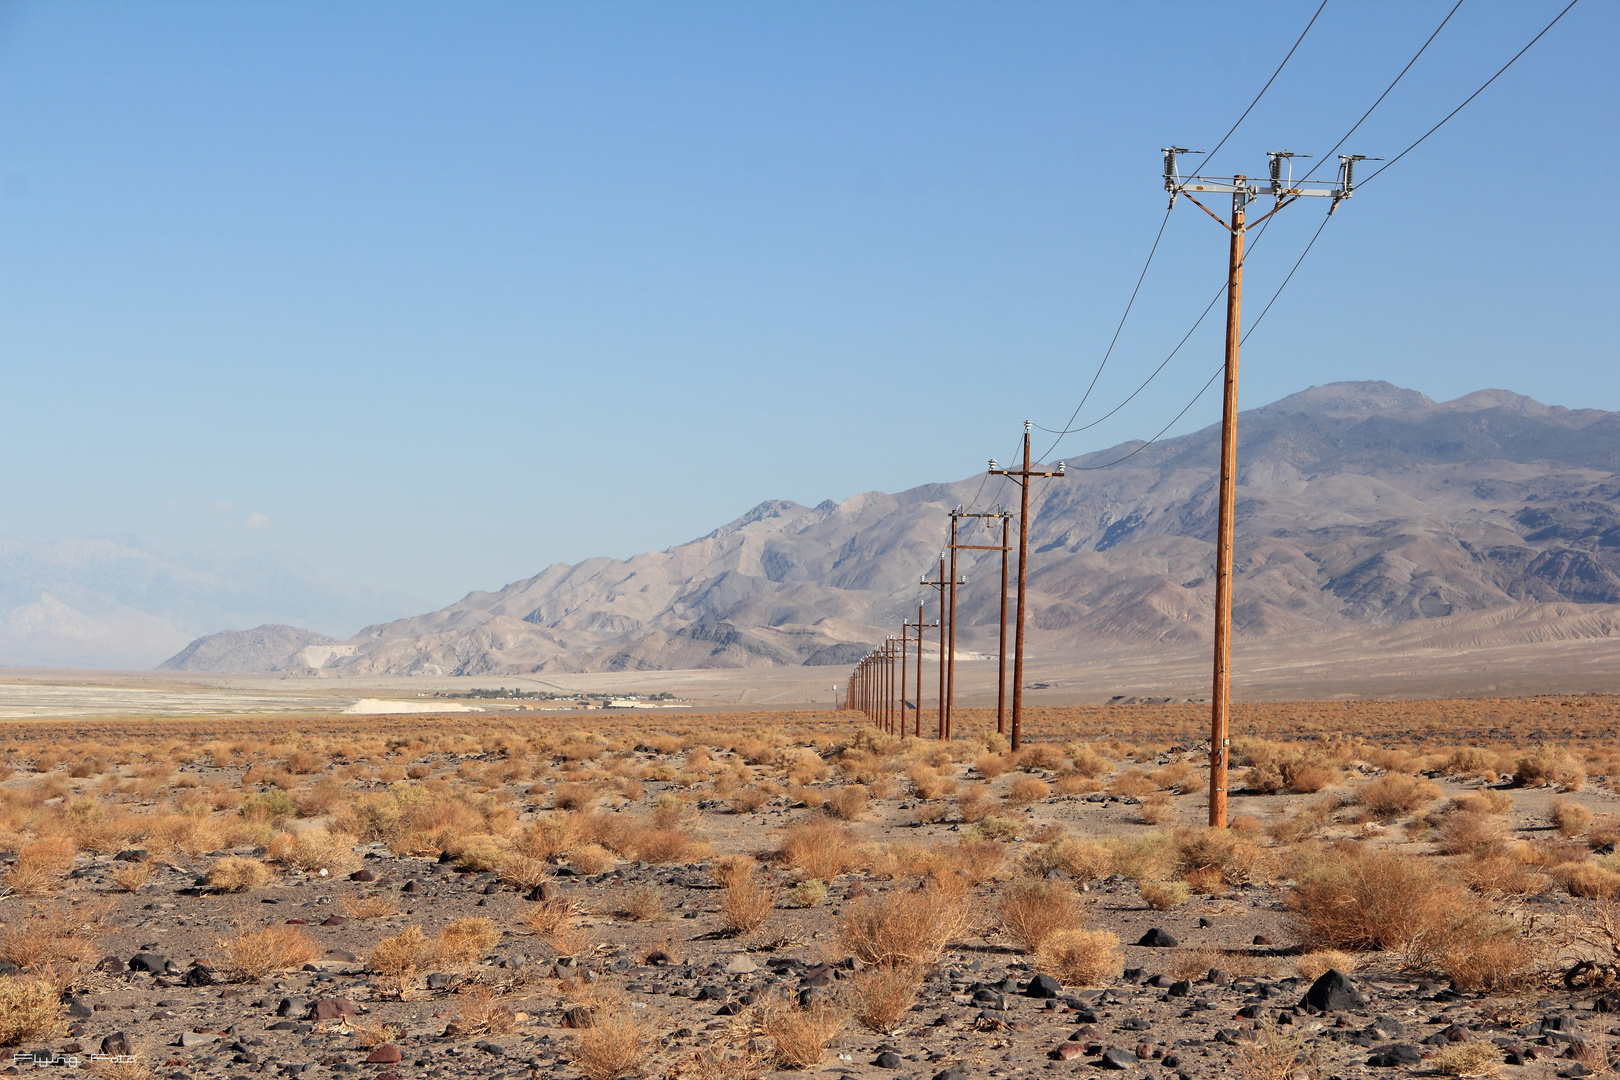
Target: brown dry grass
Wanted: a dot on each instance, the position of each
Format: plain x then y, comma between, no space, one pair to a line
233,873
799,1037
907,927
818,849
30,1009
614,1046
253,954
880,996
1078,957
746,903
1031,911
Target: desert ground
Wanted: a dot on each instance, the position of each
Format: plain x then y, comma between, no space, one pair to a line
221,884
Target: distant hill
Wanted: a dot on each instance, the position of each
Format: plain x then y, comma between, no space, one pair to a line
264,648
1358,503
120,604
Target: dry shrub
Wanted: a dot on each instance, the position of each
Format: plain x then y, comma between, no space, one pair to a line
590,859
847,802
480,1012
818,849
53,938
748,800
464,942
1586,879
734,1057
991,765
398,959
30,1009
1026,790
1193,964
971,803
1032,910
1313,965
1308,779
1073,783
881,995
799,1037
615,1045
253,954
904,927
40,866
1394,794
116,1070
1468,1059
644,903
1550,766
1078,957
1083,860
1164,895
1570,818
929,785
380,906
1360,901
315,850
1275,1055
1484,801
1131,782
131,876
746,904
1469,832
1504,874
1156,808
976,860
233,873
1483,952
811,797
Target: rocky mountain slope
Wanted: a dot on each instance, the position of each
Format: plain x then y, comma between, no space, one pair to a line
1358,503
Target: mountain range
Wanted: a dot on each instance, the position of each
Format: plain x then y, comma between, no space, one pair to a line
1358,504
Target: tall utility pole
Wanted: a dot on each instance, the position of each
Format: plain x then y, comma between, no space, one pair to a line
905,654
1243,191
940,585
1001,651
920,626
1021,477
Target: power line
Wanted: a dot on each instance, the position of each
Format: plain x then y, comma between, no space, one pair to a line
1266,87
1474,95
1325,157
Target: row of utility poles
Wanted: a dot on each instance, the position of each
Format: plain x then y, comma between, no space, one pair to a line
873,688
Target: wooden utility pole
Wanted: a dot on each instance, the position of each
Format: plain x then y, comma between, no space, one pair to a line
1242,192
1021,477
1001,651
920,626
905,651
943,662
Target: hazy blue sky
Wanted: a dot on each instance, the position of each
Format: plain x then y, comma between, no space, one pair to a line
434,295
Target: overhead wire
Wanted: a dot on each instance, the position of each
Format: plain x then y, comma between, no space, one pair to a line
1472,96
1211,155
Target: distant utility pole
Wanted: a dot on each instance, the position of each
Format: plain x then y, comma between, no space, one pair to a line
1243,191
920,626
1021,477
940,585
1001,650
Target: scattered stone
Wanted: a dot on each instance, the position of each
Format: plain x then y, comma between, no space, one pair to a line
1157,939
386,1054
887,1060
494,1049
411,886
1043,986
1068,1051
1261,939
151,963
577,1017
333,1009
116,1044
362,875
1396,1056
1117,1059
336,920
1333,992
292,1007
189,1039
740,964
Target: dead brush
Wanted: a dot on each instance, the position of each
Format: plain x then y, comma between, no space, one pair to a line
251,955
615,1045
880,996
1027,790
314,850
1193,964
234,873
1570,818
1313,965
1030,911
1275,1055
746,904
379,906
40,866
480,1012
799,1037
907,927
30,1009
53,937
397,960
733,1056
817,849
1078,957
847,802
1393,794
644,903
131,876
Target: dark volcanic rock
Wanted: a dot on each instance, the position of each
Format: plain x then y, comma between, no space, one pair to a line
1333,992
1157,939
1043,986
1396,1055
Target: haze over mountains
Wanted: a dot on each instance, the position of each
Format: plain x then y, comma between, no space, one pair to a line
1358,504
88,602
